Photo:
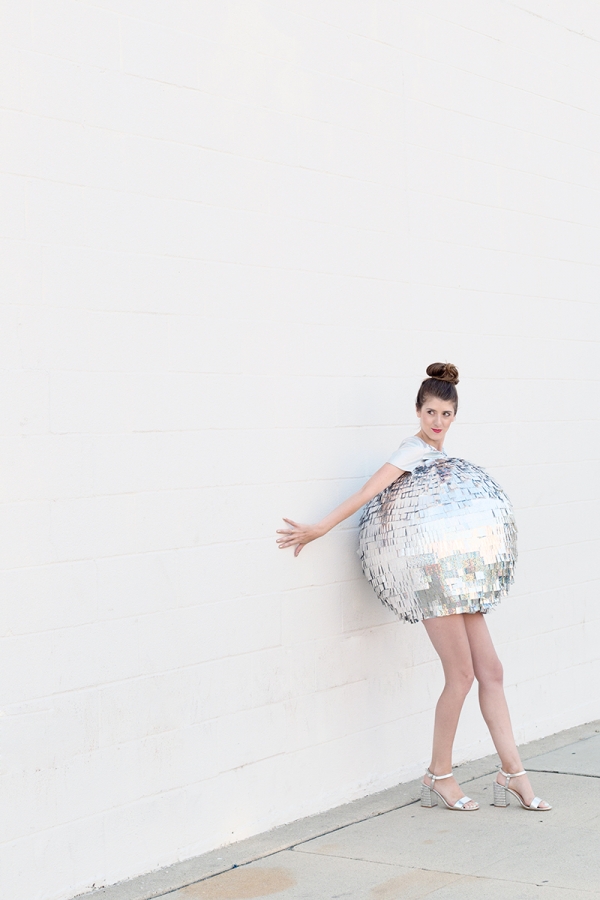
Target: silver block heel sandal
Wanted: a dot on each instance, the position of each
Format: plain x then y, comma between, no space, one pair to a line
427,790
501,791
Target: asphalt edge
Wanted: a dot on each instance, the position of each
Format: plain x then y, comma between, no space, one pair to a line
178,875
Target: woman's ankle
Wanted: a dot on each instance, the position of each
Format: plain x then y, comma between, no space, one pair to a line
437,768
513,765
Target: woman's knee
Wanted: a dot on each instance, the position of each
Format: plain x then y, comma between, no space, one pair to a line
461,680
491,674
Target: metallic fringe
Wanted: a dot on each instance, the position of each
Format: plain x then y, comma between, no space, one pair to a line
439,540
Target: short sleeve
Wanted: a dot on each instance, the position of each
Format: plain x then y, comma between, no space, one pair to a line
411,453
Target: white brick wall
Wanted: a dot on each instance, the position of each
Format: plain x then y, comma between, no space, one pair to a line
233,235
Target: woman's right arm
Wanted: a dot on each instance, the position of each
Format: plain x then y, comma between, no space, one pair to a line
298,535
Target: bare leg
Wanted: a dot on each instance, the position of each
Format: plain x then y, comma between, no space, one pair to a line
492,700
449,637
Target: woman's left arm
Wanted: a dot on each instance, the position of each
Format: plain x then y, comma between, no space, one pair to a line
299,535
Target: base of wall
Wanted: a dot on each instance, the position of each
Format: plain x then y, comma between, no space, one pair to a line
171,878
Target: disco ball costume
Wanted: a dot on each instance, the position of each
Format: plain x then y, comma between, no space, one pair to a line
441,539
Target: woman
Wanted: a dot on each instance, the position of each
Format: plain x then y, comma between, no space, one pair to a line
458,633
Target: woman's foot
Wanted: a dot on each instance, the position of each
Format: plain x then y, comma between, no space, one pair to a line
521,785
450,790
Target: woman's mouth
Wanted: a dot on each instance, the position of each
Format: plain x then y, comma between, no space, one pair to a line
437,430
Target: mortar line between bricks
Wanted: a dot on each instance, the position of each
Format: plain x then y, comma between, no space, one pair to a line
256,210
500,124
331,273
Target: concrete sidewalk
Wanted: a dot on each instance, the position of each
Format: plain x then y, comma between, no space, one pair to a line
386,847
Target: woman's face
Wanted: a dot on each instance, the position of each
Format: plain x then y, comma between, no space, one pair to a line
436,417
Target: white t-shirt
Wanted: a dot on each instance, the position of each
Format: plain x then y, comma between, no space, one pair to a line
413,452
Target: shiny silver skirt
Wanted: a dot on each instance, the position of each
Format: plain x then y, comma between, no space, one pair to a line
438,541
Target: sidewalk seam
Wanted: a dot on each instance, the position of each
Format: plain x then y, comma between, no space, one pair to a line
164,881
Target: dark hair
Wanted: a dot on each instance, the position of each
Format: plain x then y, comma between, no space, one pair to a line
441,384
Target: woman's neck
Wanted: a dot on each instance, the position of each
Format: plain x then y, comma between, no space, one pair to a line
437,445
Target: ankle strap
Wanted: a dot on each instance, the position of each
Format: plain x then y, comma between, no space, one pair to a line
435,778
514,775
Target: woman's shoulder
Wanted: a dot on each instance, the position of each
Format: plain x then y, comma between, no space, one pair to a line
412,441
411,452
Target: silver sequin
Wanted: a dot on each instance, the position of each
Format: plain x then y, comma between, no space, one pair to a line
439,540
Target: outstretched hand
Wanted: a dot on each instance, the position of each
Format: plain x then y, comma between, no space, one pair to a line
297,535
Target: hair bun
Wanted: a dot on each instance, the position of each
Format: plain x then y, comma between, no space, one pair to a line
443,371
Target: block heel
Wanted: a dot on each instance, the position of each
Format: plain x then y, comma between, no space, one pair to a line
430,797
427,798
500,797
501,792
